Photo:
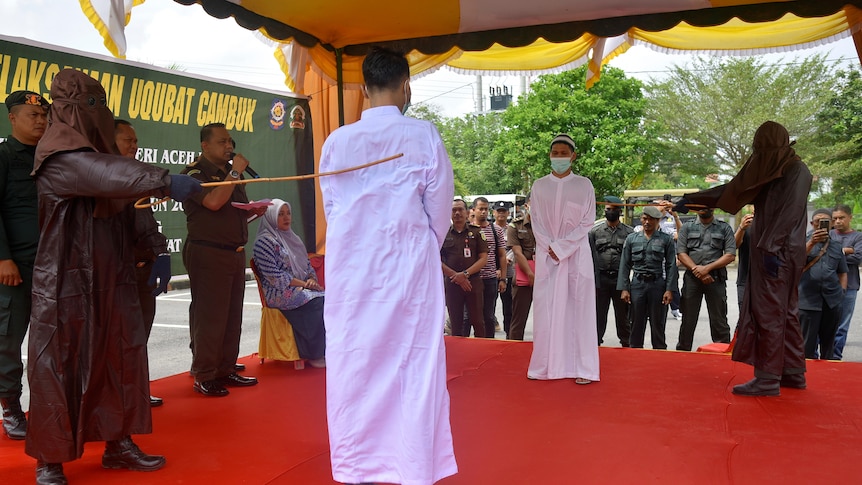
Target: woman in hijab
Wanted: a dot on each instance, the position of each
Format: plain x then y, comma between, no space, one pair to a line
289,282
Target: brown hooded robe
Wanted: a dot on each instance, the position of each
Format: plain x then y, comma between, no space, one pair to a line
769,335
87,351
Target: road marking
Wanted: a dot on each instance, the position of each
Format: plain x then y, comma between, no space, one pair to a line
168,325
189,300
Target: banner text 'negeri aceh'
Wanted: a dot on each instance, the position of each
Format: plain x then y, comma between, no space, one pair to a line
134,98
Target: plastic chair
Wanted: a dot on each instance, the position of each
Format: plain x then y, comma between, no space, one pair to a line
276,333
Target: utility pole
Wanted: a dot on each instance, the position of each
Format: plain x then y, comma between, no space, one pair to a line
480,95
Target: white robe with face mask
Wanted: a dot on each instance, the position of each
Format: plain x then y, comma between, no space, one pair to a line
386,398
565,341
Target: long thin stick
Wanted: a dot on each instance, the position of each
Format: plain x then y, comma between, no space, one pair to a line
141,205
603,202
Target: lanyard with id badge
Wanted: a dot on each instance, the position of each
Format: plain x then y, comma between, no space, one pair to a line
467,252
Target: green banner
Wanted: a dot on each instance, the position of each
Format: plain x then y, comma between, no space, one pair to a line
168,108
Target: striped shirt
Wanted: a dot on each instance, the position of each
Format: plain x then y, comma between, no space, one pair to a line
490,269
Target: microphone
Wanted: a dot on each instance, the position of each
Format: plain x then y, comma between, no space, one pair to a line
248,169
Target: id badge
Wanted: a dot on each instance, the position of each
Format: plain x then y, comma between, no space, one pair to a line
467,252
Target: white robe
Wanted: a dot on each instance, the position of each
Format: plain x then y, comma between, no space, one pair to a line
565,339
386,398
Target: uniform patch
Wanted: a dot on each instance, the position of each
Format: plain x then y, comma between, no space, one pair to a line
193,171
277,113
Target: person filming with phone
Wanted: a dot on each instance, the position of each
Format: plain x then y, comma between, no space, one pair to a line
822,287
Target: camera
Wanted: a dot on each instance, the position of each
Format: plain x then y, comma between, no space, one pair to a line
824,224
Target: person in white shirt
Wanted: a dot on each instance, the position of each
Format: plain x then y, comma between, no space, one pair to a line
562,210
386,398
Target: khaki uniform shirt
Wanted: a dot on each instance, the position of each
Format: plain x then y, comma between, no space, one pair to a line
520,233
227,226
462,249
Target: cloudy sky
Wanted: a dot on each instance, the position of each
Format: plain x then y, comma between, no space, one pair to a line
163,32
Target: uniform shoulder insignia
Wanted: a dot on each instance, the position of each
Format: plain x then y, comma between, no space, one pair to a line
483,235
517,220
193,171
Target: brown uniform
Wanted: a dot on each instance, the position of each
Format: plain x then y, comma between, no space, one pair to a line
520,233
214,255
460,250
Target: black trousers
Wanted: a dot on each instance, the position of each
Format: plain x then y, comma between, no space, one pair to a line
693,293
646,303
506,301
456,298
522,300
489,305
14,319
607,292
145,294
822,325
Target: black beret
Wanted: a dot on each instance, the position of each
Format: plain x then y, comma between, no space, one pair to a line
24,97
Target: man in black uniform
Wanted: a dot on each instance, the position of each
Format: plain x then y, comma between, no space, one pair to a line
606,240
520,238
650,255
464,253
705,247
214,255
19,237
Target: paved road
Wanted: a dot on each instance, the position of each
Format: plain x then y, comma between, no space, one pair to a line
170,354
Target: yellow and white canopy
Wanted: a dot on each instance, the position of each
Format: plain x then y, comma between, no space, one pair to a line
507,36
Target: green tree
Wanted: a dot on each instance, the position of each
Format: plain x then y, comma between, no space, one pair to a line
705,115
433,113
838,166
605,121
471,142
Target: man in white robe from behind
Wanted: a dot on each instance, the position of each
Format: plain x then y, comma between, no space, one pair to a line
562,211
386,398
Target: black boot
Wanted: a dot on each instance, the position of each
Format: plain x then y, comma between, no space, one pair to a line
125,453
50,474
14,420
795,381
758,387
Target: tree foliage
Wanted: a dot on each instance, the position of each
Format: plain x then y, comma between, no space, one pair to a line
705,115
606,123
839,162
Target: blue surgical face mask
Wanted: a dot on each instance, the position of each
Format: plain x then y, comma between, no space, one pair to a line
406,98
560,164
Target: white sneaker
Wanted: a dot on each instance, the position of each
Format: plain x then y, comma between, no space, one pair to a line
676,314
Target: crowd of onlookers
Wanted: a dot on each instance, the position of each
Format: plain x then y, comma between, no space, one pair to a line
703,245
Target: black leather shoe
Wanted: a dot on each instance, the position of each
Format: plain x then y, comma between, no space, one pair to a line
14,420
211,388
50,474
156,401
758,387
236,380
125,453
795,381
239,367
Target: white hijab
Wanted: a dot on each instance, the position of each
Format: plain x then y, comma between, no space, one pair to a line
295,255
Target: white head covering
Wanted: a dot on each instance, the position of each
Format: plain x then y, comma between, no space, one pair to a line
295,255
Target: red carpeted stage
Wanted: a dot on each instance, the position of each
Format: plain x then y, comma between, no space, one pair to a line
656,417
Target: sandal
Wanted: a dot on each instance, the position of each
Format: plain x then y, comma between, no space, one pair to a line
582,381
